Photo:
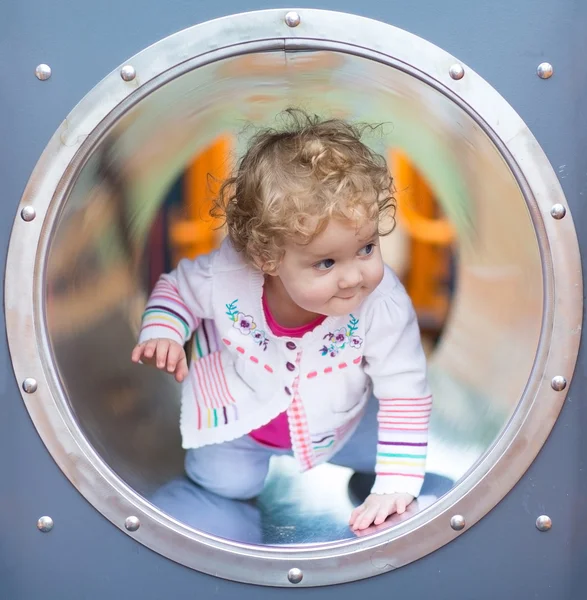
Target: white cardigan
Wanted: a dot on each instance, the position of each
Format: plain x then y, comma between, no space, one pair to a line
241,376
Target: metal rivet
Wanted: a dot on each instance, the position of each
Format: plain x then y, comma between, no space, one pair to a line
128,73
457,522
45,524
456,71
558,383
543,523
558,211
295,575
43,72
28,213
292,19
544,70
132,523
29,385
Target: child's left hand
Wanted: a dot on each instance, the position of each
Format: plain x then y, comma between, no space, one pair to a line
377,507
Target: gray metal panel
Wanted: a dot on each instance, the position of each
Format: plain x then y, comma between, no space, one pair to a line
85,556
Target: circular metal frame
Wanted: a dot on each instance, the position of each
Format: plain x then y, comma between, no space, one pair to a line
498,469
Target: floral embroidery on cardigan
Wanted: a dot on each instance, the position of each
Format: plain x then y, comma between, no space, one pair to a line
338,339
246,325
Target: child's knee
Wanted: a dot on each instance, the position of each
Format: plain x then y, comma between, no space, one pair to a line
238,488
239,480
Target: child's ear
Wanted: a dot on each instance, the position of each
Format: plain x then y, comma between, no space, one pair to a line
273,271
270,267
264,267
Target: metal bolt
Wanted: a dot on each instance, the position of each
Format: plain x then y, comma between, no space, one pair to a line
295,575
128,73
29,385
544,70
558,211
543,523
28,213
43,72
457,522
456,71
132,523
45,524
558,383
292,19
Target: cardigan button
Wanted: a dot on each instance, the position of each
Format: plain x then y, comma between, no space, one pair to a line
287,391
290,366
290,345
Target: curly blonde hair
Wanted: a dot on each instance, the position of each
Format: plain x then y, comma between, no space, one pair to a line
292,180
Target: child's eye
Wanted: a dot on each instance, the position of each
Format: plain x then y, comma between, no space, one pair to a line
368,249
324,265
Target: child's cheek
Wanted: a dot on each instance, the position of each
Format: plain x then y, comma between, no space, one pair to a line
309,293
320,294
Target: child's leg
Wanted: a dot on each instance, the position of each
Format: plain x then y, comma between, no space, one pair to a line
208,512
235,469
360,451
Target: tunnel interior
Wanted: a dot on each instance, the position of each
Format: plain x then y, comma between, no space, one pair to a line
465,247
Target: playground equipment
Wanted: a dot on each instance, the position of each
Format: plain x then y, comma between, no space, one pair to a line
504,466
431,239
193,231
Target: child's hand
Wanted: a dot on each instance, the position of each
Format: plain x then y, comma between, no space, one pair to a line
377,507
164,354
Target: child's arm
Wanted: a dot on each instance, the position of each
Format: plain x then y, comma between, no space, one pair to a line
179,301
396,364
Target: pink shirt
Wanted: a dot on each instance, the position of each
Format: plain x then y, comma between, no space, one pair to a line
276,432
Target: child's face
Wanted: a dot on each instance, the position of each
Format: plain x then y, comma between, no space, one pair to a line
336,271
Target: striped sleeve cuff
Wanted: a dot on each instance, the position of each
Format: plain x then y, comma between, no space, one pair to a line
158,323
402,446
397,485
166,315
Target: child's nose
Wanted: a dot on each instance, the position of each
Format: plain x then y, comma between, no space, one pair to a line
351,278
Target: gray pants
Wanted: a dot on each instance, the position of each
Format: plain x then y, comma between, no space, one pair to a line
238,469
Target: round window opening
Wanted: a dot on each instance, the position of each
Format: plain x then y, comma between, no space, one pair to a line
121,194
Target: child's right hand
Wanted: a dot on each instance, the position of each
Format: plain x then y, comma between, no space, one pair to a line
163,354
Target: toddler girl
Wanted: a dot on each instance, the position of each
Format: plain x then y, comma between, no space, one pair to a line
297,323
